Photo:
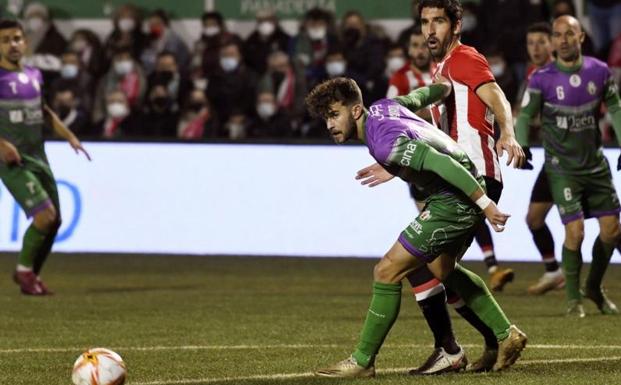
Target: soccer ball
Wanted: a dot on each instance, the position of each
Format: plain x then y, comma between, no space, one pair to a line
99,366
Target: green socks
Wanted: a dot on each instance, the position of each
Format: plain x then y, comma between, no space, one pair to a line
471,288
34,239
382,313
601,258
572,264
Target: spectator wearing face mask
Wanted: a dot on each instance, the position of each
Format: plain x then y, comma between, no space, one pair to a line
197,120
503,75
125,74
159,120
118,119
163,38
315,39
395,60
72,76
67,107
232,88
269,121
167,73
472,32
90,51
45,43
415,73
126,32
267,37
336,64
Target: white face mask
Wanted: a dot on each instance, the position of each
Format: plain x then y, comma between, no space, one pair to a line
266,28
236,130
123,67
468,23
335,68
498,69
211,31
395,63
127,24
266,109
34,24
229,64
317,33
69,71
117,110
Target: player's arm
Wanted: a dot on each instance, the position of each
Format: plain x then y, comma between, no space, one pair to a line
424,96
9,153
531,106
61,130
491,94
613,103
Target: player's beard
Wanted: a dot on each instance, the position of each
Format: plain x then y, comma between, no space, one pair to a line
440,52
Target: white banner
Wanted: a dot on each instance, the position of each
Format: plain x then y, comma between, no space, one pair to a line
248,200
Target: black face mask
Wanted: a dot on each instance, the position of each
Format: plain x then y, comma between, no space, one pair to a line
161,102
164,76
277,78
63,111
195,106
351,36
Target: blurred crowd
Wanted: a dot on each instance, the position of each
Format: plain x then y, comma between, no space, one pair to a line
144,81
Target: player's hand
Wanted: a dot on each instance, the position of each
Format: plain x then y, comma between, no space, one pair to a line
495,217
9,153
527,165
619,163
373,175
77,147
515,153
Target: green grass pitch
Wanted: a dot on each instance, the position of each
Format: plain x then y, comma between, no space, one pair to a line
230,320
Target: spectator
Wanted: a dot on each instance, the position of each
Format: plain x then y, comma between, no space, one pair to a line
605,17
197,118
614,60
167,73
232,90
125,74
364,54
163,38
472,32
73,76
206,56
126,32
119,120
315,39
90,51
68,109
270,121
415,73
404,35
159,121
336,64
286,83
395,59
45,43
267,37
504,76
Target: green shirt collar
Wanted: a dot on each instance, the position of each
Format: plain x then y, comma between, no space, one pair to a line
571,69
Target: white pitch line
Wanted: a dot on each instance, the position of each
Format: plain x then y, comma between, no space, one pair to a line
286,376
280,346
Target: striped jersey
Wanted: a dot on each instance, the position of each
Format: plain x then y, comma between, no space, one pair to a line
405,80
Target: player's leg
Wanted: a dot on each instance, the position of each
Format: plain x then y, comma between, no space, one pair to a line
572,265
539,207
382,313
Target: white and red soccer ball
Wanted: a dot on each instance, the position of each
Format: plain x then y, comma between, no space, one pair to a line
99,366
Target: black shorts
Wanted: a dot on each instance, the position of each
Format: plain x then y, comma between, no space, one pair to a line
541,190
494,190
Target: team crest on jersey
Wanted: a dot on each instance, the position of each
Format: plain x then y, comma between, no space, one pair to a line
23,78
591,88
425,215
575,80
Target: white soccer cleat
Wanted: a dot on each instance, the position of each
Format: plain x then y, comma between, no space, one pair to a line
553,280
441,362
347,368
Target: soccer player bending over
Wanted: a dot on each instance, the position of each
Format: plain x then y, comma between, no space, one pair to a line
24,168
417,152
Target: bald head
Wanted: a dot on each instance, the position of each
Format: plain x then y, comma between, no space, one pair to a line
567,38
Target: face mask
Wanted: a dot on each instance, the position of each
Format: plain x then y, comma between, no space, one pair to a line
266,110
229,64
35,24
69,71
63,111
211,31
335,68
165,76
127,24
317,33
266,28
395,63
236,131
79,45
196,106
123,67
351,36
161,102
117,110
468,23
498,69
200,84
156,31
278,77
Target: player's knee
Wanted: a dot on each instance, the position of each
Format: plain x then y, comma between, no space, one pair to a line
611,233
384,272
46,220
534,221
574,237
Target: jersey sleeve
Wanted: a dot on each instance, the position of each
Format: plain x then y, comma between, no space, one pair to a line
471,69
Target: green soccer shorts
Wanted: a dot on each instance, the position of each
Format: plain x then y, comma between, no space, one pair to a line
32,184
584,196
445,225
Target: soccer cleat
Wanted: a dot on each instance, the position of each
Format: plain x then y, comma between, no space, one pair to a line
347,368
510,348
441,362
549,281
486,362
499,278
44,289
575,308
27,281
605,305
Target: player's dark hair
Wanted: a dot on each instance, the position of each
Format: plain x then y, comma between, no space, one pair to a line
344,90
540,27
11,23
453,8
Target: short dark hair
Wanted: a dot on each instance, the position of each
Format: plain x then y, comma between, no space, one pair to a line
217,16
344,90
11,23
162,15
318,14
541,27
453,8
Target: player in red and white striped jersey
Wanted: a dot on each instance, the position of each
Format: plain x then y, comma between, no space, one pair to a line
416,72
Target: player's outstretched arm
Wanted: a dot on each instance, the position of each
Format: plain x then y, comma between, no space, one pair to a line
61,130
530,108
424,96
